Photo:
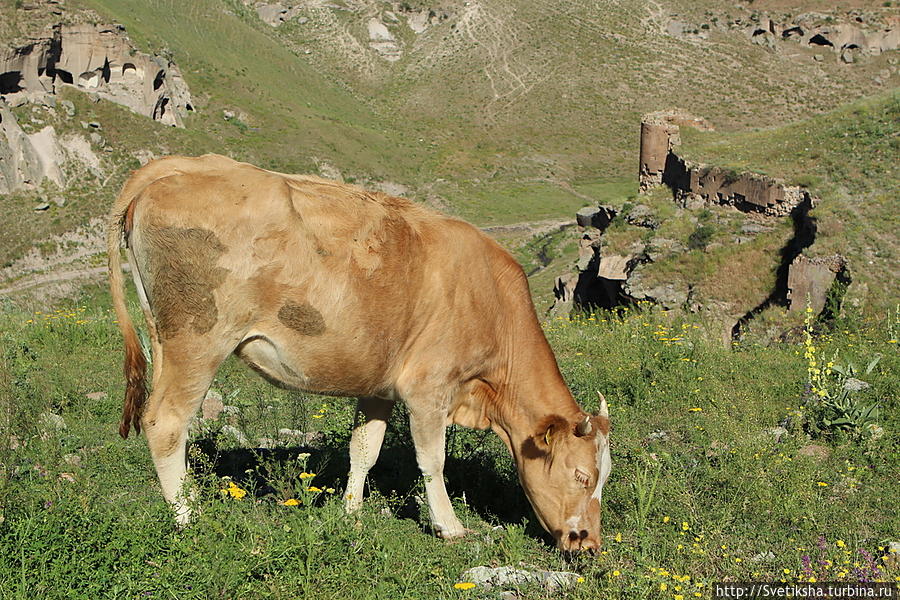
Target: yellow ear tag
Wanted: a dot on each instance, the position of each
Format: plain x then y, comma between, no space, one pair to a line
547,436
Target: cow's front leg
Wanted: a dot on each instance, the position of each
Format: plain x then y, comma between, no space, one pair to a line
428,433
365,445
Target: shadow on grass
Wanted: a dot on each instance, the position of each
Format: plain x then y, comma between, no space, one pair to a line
493,493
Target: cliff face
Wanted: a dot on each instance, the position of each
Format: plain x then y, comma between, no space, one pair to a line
97,59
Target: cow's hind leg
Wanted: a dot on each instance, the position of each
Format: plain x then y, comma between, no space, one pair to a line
429,434
180,387
365,445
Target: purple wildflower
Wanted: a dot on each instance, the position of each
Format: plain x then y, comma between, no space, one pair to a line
807,569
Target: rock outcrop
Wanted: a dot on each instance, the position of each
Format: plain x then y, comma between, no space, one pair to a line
97,59
810,280
26,160
850,34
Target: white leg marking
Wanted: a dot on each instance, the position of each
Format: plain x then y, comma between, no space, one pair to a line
428,433
365,445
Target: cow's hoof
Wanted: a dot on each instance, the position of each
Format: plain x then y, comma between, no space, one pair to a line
452,534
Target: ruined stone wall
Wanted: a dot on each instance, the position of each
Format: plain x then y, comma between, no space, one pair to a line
696,183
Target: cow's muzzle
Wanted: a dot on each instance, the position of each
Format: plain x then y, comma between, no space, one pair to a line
579,541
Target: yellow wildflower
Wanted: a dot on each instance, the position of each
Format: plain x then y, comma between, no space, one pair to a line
313,488
291,502
619,537
234,491
666,519
464,585
305,475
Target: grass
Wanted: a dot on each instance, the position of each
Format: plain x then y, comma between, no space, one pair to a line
701,491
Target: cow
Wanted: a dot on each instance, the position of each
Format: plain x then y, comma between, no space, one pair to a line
325,287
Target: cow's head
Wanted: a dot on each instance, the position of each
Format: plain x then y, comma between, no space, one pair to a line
563,469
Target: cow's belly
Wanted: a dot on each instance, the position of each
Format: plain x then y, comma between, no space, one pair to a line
309,369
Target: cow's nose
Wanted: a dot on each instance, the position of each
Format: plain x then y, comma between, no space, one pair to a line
577,541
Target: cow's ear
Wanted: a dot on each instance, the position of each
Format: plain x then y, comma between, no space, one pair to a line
549,431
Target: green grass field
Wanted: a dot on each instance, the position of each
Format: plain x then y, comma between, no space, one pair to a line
702,490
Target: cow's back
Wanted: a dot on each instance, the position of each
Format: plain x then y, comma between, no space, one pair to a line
354,285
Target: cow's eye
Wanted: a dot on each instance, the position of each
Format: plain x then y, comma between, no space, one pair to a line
582,477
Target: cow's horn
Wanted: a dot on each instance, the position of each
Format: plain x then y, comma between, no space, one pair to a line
584,427
604,409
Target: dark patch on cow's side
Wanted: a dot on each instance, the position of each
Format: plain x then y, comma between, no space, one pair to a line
183,275
302,318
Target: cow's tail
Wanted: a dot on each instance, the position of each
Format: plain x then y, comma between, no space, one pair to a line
119,228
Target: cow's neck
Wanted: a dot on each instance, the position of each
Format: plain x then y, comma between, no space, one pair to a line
531,388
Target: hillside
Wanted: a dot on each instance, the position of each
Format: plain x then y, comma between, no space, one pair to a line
500,112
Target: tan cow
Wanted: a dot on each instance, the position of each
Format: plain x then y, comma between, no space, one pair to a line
331,289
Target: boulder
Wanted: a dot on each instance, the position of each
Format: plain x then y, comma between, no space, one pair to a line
595,216
810,279
490,577
272,14
212,405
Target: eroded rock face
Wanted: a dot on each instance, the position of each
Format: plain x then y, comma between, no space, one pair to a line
98,59
25,160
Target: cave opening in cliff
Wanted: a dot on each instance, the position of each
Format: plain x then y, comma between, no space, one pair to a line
820,40
65,76
129,71
791,32
10,82
105,71
158,80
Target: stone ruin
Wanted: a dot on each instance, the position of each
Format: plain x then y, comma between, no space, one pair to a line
98,59
694,184
607,277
